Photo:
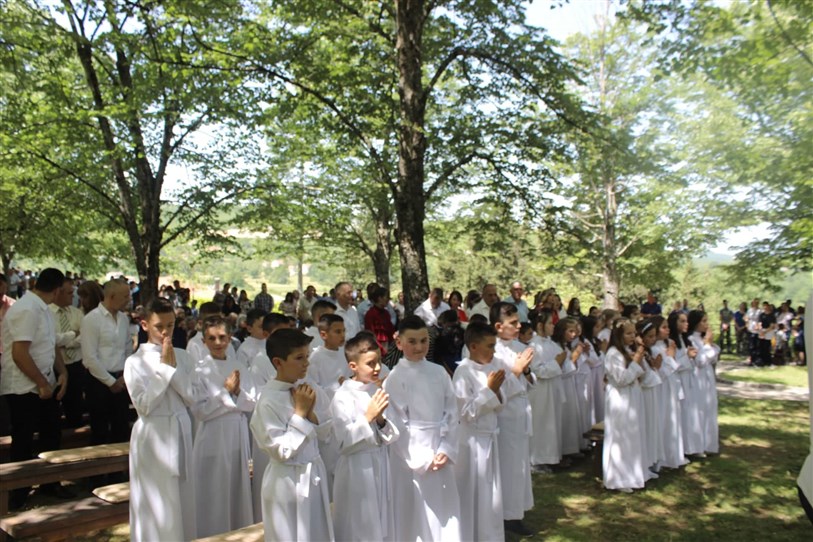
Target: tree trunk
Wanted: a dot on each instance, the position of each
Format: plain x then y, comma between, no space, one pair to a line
410,199
609,272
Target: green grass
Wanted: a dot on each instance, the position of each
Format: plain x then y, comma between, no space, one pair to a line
786,375
748,492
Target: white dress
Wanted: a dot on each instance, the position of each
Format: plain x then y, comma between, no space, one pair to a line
363,470
162,488
623,460
690,419
571,409
222,448
672,392
706,391
296,503
651,390
597,378
427,503
584,388
515,435
546,398
478,463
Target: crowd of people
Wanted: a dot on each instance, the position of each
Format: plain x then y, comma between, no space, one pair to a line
414,426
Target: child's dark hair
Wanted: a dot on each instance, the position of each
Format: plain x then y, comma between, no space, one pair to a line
274,320
617,338
674,334
525,327
411,323
253,315
476,332
322,305
478,319
645,326
559,331
657,321
542,318
209,308
378,293
328,320
159,305
629,310
284,341
695,317
500,311
215,321
360,344
588,330
448,317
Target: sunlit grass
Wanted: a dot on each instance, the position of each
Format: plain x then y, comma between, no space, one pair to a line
786,375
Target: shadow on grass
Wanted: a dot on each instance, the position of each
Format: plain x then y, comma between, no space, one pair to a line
747,492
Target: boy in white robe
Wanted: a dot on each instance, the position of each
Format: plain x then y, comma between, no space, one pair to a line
426,499
323,306
222,449
362,490
161,382
476,383
514,418
287,423
546,396
195,347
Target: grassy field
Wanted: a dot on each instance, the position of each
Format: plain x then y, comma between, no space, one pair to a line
786,375
748,492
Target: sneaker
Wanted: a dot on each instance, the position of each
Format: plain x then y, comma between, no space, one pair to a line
517,527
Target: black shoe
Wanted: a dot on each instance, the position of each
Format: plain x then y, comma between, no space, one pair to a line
517,527
57,490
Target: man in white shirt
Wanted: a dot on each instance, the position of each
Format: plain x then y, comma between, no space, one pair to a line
516,300
306,302
752,325
345,309
68,320
489,297
32,374
14,283
106,344
5,303
429,310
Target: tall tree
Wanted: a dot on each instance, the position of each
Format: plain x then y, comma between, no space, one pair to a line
433,96
118,113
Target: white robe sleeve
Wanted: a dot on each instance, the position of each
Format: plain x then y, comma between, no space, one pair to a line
146,393
449,423
281,438
622,376
473,404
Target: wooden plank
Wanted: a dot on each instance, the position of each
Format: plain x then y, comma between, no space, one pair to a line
38,471
252,533
66,519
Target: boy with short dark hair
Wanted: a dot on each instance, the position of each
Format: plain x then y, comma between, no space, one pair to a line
514,418
323,306
476,384
161,382
288,421
427,502
362,432
195,347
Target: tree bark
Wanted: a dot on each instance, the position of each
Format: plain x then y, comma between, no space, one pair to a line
410,199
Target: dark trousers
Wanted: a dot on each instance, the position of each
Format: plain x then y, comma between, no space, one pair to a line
725,339
805,504
764,352
753,348
742,341
73,404
109,412
30,414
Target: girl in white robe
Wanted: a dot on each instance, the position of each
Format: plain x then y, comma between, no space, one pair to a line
651,388
584,384
671,430
362,490
601,342
222,447
161,384
546,396
622,460
478,465
690,418
706,392
572,441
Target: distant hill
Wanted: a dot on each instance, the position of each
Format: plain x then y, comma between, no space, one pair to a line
714,258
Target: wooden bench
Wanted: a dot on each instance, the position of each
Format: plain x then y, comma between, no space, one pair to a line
596,438
252,533
71,438
61,521
78,463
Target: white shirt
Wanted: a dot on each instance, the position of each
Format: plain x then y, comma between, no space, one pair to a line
753,319
28,320
428,313
105,343
480,308
351,321
67,337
